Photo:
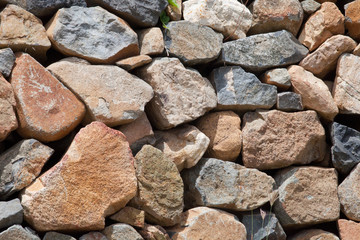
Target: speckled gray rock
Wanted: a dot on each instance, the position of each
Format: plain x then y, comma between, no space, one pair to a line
57,236
182,36
138,12
18,232
11,213
267,229
289,101
93,236
93,34
310,6
240,90
345,151
349,195
21,164
263,51
121,231
7,60
239,189
278,77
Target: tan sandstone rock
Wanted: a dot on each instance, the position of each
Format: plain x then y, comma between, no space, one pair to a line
324,23
151,232
134,62
314,234
324,59
46,109
348,230
223,130
151,41
131,216
181,94
207,223
352,19
8,120
78,192
314,92
22,31
112,95
278,77
275,139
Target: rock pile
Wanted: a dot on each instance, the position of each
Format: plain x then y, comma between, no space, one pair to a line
179,119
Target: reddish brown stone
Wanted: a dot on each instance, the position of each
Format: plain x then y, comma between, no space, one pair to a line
348,230
352,20
8,121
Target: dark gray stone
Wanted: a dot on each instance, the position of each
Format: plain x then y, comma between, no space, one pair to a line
7,60
267,229
289,101
240,90
144,13
263,51
17,232
121,231
182,36
11,213
57,236
345,151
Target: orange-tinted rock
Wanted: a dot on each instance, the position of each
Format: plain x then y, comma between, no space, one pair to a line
348,230
47,111
8,121
94,179
324,23
134,62
352,19
131,216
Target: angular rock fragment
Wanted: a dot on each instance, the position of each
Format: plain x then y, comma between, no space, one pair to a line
352,19
275,15
181,95
346,90
121,231
223,130
8,120
182,36
240,90
160,187
229,17
131,216
324,23
174,12
134,62
64,198
150,232
324,59
18,232
46,109
313,234
278,77
289,101
183,145
151,41
93,34
349,195
221,184
138,12
207,223
310,6
7,60
57,236
263,51
21,164
307,196
314,92
11,213
112,95
275,139
22,31
348,230
93,236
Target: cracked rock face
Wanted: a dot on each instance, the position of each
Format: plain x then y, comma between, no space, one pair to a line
112,95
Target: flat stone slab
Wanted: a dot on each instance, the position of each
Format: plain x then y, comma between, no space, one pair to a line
289,101
11,213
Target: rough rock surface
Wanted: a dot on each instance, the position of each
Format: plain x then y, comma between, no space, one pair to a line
307,196
289,101
229,17
182,36
278,77
57,236
175,12
184,145
348,230
207,223
64,198
240,90
160,187
314,92
310,6
46,109
275,139
22,31
324,59
112,95
345,151
223,130
352,19
8,120
357,51
93,236
263,51
131,216
181,95
151,41
240,188
137,12
21,164
11,213
134,62
93,34
346,90
324,23
7,60
150,232
275,15
349,195
121,231
18,232
314,234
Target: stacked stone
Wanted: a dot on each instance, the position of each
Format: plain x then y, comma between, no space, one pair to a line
225,123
